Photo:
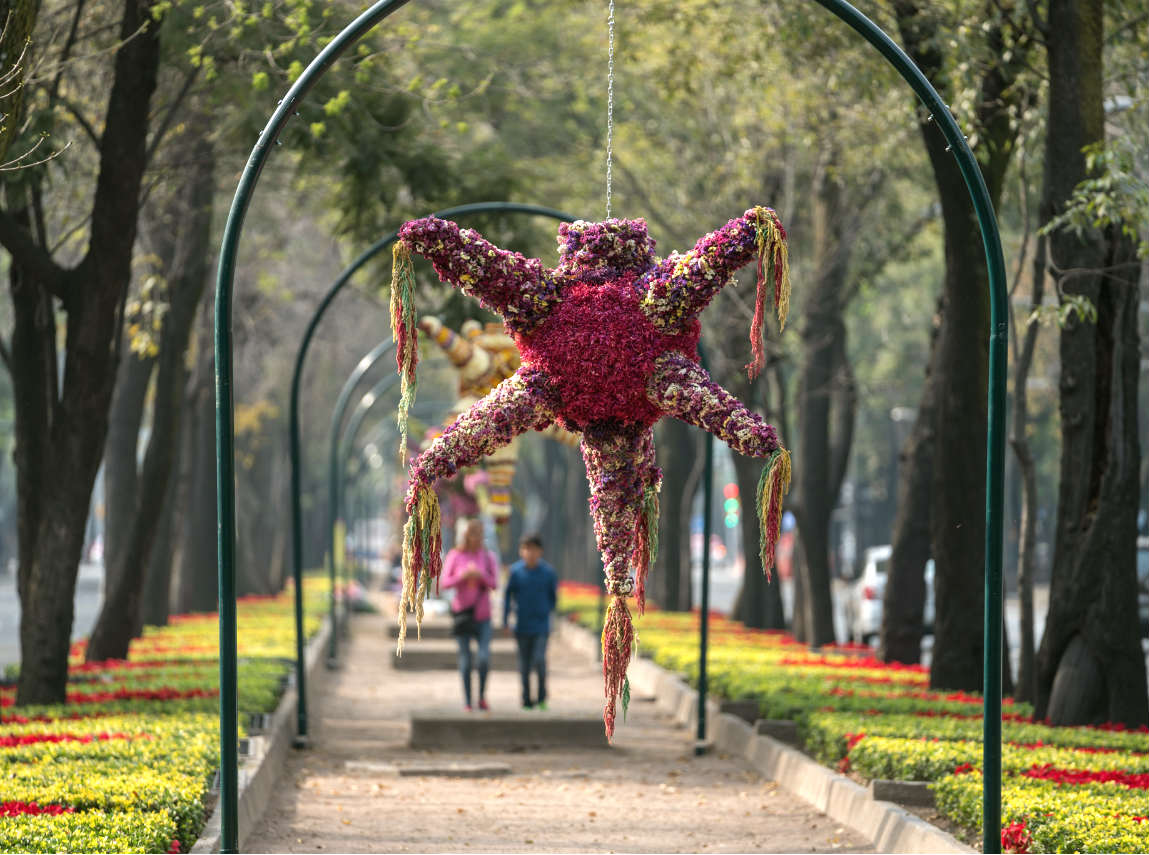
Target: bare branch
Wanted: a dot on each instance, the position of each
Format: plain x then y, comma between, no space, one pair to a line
74,110
169,118
16,162
66,51
1041,26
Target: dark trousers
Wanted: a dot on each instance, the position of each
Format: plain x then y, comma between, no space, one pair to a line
532,656
482,661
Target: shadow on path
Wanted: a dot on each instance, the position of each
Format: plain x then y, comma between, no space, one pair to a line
647,793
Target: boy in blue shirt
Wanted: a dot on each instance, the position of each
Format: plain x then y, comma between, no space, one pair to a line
531,594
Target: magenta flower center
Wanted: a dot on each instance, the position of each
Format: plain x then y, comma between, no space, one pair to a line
592,320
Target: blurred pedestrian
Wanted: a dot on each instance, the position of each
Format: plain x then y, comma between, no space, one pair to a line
472,570
531,593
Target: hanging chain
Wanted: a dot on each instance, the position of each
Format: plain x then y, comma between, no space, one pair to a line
609,103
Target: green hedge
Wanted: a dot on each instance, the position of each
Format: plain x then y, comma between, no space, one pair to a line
91,831
1091,818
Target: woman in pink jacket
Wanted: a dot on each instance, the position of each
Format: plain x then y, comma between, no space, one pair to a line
472,571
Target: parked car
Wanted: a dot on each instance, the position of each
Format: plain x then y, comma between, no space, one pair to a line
864,598
1143,583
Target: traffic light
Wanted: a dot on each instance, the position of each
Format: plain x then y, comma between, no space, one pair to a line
731,506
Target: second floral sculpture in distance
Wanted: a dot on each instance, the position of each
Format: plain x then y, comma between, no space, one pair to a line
609,345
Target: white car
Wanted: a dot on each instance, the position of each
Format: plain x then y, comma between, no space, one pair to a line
863,606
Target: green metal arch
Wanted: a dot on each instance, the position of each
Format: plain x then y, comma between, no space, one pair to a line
364,365
225,432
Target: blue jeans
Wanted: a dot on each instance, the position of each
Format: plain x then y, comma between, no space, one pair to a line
533,656
482,661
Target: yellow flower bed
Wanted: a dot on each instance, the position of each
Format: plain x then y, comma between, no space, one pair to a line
126,764
1065,789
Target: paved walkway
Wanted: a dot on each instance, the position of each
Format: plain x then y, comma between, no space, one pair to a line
648,793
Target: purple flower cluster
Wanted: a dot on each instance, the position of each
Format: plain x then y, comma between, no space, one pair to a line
681,388
685,283
599,251
516,287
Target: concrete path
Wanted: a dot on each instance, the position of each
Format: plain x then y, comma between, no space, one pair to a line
646,794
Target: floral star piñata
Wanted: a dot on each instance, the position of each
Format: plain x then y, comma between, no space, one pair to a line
609,345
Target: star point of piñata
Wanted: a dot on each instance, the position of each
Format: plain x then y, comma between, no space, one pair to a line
609,345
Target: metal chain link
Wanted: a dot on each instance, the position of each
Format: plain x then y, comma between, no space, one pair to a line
609,102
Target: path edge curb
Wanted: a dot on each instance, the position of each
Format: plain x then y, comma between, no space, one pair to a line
889,827
259,773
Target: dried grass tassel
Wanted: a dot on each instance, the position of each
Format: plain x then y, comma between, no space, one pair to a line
405,333
617,646
772,486
772,251
422,557
645,543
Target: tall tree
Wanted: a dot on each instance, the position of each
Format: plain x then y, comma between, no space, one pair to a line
181,236
827,395
959,369
903,608
759,600
677,446
1090,666
61,426
17,20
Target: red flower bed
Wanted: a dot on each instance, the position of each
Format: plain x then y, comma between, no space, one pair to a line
916,694
1015,837
1081,748
19,808
1015,717
29,719
121,664
1048,772
129,695
870,662
34,738
852,739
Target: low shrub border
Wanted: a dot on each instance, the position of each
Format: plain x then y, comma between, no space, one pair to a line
1064,789
126,764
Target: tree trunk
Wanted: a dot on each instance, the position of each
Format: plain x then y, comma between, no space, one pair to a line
44,500
826,401
121,467
904,604
184,253
960,374
155,605
800,615
17,23
678,455
60,438
195,586
759,602
1090,666
1027,474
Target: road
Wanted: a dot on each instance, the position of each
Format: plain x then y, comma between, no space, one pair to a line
89,596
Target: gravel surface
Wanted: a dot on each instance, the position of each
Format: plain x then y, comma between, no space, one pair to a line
647,793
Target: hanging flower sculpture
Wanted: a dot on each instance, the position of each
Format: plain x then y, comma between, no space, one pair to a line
609,345
483,358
